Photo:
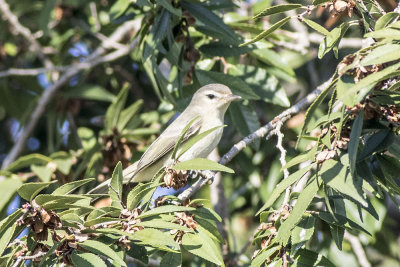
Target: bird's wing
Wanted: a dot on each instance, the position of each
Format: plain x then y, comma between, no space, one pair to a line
166,142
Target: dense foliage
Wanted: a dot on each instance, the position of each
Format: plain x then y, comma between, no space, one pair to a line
86,86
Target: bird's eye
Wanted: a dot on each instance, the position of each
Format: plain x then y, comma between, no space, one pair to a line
210,96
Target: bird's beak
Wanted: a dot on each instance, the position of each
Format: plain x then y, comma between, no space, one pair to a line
232,97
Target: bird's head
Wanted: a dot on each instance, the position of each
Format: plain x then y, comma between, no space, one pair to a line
214,97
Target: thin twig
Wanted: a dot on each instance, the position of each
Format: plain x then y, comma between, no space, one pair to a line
20,259
260,133
31,72
92,60
282,159
357,249
118,195
22,30
379,7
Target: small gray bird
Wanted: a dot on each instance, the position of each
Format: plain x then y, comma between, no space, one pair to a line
209,105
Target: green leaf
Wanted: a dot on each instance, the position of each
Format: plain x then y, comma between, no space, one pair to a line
29,190
222,49
157,33
388,33
305,257
89,91
86,259
170,259
43,172
313,107
337,176
136,195
207,213
161,224
164,209
376,142
188,144
330,41
382,54
118,8
128,114
237,85
267,32
201,164
63,161
9,187
340,220
264,84
202,247
115,189
316,27
282,187
114,110
303,201
6,236
181,136
309,155
276,9
209,23
337,233
263,255
7,222
69,187
302,232
364,86
138,252
46,200
319,2
386,19
245,119
167,5
28,160
102,249
155,238
355,140
89,223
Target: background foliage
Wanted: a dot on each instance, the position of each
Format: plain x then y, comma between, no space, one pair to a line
86,86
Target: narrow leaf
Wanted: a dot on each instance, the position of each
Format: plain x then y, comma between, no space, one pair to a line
267,32
355,140
316,27
181,136
102,249
304,200
282,187
87,259
188,144
29,190
114,110
115,189
201,164
69,187
276,9
164,209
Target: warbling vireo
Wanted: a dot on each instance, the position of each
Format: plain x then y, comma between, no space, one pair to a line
209,104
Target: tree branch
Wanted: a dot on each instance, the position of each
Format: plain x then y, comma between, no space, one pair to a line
357,249
22,30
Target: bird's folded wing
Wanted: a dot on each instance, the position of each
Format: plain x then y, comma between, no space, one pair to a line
165,143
